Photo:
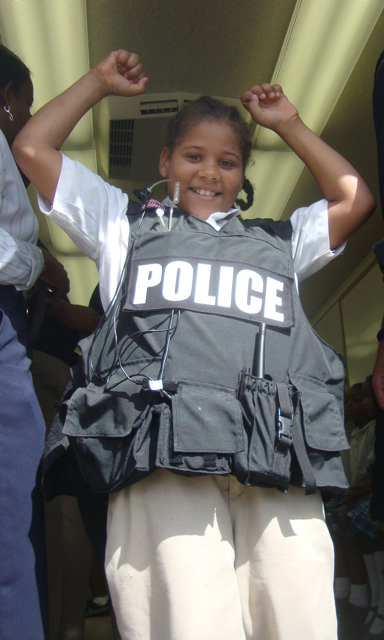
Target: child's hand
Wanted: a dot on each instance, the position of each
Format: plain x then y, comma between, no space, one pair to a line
268,106
122,73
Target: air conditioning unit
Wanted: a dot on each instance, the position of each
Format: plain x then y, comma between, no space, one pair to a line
131,133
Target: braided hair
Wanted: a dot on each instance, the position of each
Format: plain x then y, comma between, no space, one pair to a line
207,108
249,192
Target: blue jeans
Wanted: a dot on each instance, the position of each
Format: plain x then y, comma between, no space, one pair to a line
23,590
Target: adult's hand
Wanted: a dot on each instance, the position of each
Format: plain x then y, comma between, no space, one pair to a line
55,276
75,316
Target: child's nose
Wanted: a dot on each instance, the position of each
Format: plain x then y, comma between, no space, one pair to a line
209,170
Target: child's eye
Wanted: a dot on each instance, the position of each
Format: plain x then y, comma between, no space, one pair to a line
194,157
226,163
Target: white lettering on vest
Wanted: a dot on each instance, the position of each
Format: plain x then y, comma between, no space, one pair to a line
197,285
203,278
177,283
248,280
272,300
148,275
224,294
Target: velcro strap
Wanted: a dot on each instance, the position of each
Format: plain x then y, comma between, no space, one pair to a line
285,402
284,420
290,431
303,460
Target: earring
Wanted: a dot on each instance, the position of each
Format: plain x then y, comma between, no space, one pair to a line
8,110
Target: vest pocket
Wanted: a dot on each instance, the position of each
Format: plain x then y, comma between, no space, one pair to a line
206,419
269,462
322,419
323,431
111,445
94,411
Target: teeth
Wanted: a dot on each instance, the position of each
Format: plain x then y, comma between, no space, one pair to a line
204,192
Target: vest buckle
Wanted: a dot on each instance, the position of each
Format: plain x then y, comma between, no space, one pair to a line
160,385
284,437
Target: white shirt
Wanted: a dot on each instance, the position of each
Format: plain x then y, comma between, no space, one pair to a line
21,262
93,213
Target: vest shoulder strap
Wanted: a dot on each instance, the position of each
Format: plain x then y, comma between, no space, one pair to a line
276,227
134,208
133,213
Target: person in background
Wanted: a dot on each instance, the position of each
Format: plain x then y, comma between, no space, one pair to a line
359,547
23,593
68,547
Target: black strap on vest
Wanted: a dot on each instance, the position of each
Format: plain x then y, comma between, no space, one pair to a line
289,432
284,426
302,457
285,419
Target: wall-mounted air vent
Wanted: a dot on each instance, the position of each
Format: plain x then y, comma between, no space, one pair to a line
120,143
160,106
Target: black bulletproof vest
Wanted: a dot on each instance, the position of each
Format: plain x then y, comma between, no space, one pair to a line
172,377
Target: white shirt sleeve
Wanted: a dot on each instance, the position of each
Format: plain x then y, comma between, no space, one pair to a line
93,213
21,262
85,207
310,239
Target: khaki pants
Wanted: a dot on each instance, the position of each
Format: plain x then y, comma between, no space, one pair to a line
207,558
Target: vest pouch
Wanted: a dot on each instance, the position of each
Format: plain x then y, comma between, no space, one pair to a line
269,461
96,411
323,429
110,436
201,430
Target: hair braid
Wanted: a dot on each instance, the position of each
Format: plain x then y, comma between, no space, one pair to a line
249,191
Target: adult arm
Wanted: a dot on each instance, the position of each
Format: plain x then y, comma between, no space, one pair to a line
37,146
75,316
22,263
350,202
359,490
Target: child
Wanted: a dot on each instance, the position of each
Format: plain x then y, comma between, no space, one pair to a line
207,556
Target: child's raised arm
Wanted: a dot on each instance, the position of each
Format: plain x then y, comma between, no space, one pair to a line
36,148
350,202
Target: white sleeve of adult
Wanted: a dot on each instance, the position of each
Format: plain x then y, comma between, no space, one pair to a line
310,239
20,262
85,207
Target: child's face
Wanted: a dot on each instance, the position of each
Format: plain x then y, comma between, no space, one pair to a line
208,164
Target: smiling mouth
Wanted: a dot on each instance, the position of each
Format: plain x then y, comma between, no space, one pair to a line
205,192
